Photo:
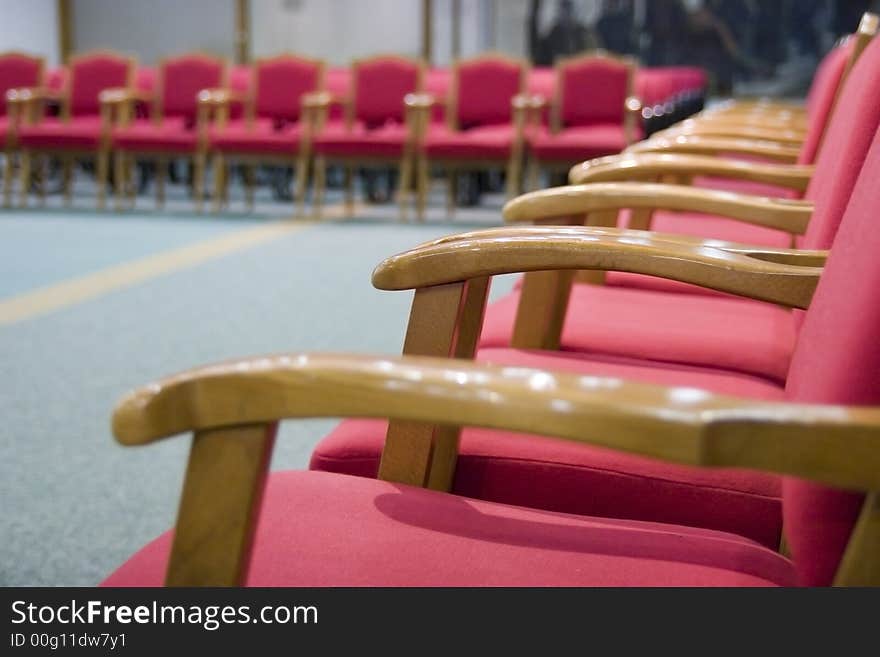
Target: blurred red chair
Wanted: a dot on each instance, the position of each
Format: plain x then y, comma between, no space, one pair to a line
274,128
18,71
375,131
171,129
82,128
485,120
594,113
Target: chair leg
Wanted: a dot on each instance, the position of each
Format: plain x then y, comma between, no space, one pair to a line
219,181
422,185
349,191
24,178
199,179
533,173
67,180
43,170
302,181
161,174
249,180
404,181
7,179
451,192
118,179
514,171
320,182
130,186
101,176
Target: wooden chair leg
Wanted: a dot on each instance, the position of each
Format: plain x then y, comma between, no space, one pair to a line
249,181
219,180
199,179
67,180
514,171
118,179
302,181
423,184
532,175
101,174
7,178
43,170
161,174
130,183
24,178
404,179
349,191
320,182
451,192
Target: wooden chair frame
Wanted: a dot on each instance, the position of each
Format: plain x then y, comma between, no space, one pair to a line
15,109
300,160
511,165
66,155
404,163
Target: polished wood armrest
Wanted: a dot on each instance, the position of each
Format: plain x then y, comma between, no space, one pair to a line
650,166
699,144
573,200
498,251
633,104
834,444
420,101
32,94
118,95
782,136
320,100
218,97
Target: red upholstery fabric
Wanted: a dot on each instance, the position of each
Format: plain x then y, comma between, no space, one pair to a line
79,133
281,82
90,75
837,361
719,228
485,89
564,476
820,99
182,78
384,141
745,187
17,71
728,333
319,529
579,143
4,128
261,137
594,91
379,88
173,134
492,142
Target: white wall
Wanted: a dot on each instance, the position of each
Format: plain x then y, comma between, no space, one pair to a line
152,29
336,30
31,26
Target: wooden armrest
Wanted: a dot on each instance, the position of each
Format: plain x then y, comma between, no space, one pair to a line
633,105
31,94
572,200
419,101
648,166
781,136
499,251
714,145
219,96
320,100
833,444
119,95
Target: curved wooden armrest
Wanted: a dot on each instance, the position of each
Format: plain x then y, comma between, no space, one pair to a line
419,101
783,214
648,166
320,100
528,102
31,94
633,104
834,444
785,137
698,144
218,97
499,251
120,95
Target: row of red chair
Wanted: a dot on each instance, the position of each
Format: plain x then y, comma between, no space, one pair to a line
480,113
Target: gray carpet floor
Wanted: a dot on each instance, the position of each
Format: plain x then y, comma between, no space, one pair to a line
74,503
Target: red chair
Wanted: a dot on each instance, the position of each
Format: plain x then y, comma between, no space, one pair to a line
81,130
375,131
594,113
239,524
171,131
485,117
275,127
18,70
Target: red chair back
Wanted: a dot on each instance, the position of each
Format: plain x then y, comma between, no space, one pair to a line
592,89
18,69
837,361
280,83
483,87
820,100
379,86
90,74
183,77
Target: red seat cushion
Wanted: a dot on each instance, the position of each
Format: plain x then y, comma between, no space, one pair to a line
727,333
320,529
172,134
484,142
384,141
563,476
578,143
79,133
261,137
